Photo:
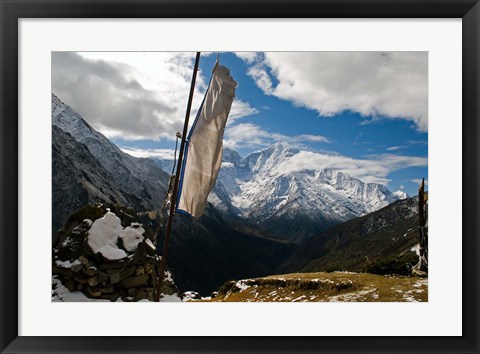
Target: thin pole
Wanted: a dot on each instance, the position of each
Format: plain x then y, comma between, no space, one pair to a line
173,201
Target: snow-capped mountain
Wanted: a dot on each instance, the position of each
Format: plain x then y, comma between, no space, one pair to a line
139,177
401,195
291,205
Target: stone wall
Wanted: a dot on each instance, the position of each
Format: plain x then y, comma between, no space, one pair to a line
80,268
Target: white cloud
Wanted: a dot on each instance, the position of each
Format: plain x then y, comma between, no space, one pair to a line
248,57
397,161
133,95
376,169
253,136
262,79
389,85
240,109
163,154
419,181
393,148
310,138
226,164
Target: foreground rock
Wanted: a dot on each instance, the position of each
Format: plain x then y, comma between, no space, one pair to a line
105,253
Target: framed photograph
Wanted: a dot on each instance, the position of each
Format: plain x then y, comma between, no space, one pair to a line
239,177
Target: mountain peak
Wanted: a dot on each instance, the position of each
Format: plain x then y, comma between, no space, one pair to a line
280,145
401,194
293,205
230,155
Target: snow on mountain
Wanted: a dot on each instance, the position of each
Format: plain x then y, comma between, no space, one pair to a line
140,177
401,195
79,178
291,205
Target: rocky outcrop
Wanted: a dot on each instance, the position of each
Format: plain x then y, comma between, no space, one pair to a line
104,252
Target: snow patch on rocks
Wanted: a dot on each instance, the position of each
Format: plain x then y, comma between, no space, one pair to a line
132,236
105,232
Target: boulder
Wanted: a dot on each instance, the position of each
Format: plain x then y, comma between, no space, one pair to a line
122,274
93,281
106,290
61,271
84,261
76,268
103,277
71,285
90,271
141,294
132,292
134,282
139,270
148,266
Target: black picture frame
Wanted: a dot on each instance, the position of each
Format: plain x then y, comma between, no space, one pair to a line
11,11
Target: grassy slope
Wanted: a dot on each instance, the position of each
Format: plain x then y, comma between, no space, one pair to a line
324,287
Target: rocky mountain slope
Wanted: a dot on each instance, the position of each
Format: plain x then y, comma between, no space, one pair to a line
291,205
381,242
136,176
79,178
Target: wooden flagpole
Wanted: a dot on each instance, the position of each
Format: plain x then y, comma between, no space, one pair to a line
173,200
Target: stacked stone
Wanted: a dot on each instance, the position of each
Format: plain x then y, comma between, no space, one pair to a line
133,278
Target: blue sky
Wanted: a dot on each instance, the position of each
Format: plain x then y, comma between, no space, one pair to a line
365,113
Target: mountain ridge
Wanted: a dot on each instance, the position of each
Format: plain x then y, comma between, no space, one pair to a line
138,176
390,233
293,205
79,178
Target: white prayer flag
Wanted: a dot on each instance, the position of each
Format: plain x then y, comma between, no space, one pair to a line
203,149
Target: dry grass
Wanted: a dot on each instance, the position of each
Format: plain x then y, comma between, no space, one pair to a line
324,287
